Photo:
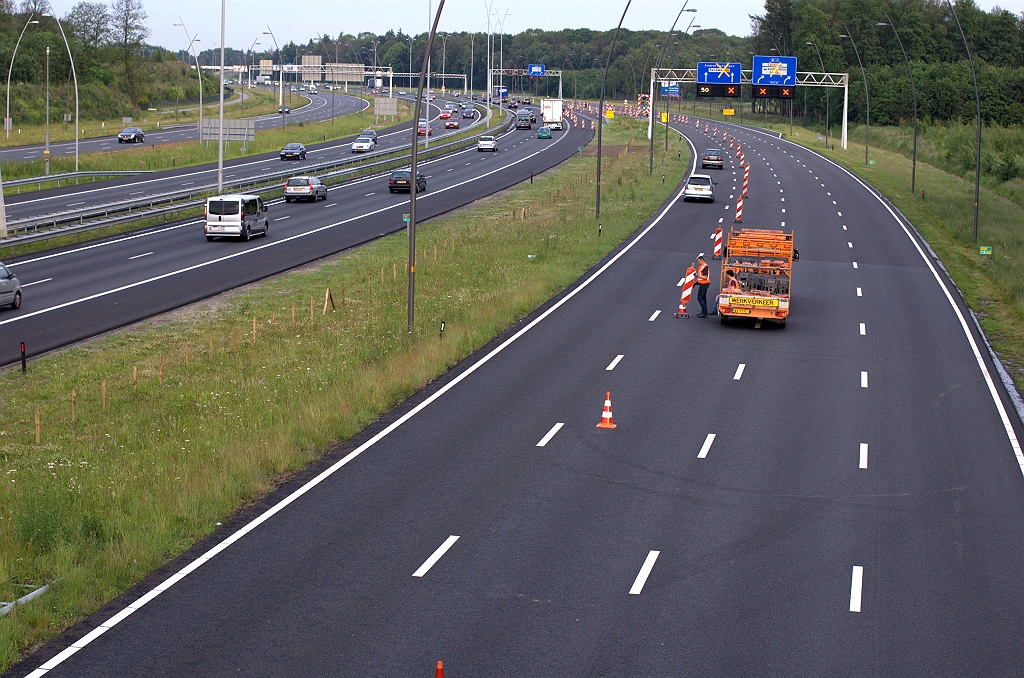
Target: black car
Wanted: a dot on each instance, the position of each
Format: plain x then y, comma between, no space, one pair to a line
533,117
131,135
293,152
284,109
401,180
369,134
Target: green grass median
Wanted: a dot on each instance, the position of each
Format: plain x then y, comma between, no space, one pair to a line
150,437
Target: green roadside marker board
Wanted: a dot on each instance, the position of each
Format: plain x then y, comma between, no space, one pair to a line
985,251
580,149
405,218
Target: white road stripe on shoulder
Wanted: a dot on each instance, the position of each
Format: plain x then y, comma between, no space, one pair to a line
706,447
654,315
613,363
645,572
436,556
550,434
739,371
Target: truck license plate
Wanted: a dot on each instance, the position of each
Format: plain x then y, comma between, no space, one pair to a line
741,311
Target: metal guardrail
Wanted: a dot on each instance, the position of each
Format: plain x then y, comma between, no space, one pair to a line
100,216
73,175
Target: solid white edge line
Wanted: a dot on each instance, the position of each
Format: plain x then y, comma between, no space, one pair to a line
706,447
645,572
611,366
274,243
436,556
550,434
323,475
739,371
856,588
654,315
993,392
863,455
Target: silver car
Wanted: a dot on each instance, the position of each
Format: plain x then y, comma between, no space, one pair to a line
304,188
699,187
487,143
10,288
362,145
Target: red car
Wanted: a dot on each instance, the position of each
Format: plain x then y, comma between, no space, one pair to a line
423,129
452,124
445,114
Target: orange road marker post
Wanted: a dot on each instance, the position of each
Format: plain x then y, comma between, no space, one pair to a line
691,274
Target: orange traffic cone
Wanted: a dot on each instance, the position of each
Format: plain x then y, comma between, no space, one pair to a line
606,416
439,673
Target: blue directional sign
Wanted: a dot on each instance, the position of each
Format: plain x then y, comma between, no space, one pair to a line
774,70
535,70
670,89
718,73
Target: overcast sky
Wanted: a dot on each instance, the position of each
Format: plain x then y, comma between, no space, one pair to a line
300,21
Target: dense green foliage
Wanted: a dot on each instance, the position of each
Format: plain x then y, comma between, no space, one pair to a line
117,76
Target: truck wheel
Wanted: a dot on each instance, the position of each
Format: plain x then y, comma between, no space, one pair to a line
782,324
725,319
209,238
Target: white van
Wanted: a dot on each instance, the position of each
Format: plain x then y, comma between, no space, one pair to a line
239,215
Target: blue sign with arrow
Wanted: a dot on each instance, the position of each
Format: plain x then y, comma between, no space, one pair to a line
716,73
774,70
535,70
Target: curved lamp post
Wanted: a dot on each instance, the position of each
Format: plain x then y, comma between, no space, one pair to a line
415,185
280,75
74,75
199,71
867,99
600,108
977,103
657,67
7,120
913,93
828,120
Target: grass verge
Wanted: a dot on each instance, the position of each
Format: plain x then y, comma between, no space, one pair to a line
149,437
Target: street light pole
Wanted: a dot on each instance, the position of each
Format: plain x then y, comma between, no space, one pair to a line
977,103
600,107
657,67
280,76
74,75
46,149
913,93
7,119
867,99
413,174
828,120
220,139
199,71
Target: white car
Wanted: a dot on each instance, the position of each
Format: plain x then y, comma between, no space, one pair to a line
487,143
362,145
699,187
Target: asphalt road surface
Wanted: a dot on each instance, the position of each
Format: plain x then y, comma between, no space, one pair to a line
488,523
81,291
319,108
92,194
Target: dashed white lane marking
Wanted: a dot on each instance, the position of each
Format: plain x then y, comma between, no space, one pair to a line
721,219
863,327
855,264
863,455
849,244
739,371
436,556
856,587
550,434
331,205
859,293
188,183
654,315
844,227
839,213
612,364
683,279
863,379
139,256
72,204
137,193
369,194
287,216
37,282
783,224
645,572
706,447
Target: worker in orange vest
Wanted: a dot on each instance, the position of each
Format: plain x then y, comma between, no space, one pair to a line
732,283
703,282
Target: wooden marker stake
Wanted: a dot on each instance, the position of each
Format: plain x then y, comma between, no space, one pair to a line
74,409
254,329
232,340
161,368
37,424
135,378
186,358
211,347
103,392
293,314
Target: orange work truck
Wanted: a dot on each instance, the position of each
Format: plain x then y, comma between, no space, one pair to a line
757,267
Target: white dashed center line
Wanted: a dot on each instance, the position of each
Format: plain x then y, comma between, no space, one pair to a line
856,587
436,556
706,447
863,455
863,327
287,216
859,293
863,379
139,256
611,366
655,315
739,371
645,572
550,434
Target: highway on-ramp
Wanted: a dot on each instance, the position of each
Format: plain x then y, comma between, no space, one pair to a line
840,497
81,291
